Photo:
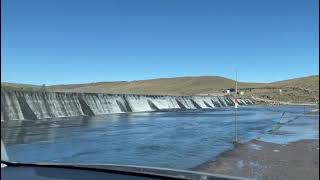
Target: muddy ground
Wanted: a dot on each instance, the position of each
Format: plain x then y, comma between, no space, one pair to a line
263,160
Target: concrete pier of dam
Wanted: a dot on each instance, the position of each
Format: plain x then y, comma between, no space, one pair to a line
28,105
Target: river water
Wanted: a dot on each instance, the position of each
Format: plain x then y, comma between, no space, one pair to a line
180,139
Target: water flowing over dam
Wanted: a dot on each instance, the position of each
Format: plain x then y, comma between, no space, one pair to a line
21,105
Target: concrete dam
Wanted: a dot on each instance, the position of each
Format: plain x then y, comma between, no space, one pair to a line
25,105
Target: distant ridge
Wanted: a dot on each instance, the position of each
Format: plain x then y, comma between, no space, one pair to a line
304,86
177,85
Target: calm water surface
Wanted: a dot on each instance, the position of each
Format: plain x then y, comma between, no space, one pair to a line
180,139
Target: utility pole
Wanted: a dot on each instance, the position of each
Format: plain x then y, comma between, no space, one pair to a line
235,110
235,124
280,91
236,82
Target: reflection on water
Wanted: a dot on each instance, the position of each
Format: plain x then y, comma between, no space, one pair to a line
181,139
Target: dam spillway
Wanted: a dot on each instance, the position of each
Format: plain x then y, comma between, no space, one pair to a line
29,105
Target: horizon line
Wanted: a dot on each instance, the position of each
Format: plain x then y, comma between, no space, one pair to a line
36,84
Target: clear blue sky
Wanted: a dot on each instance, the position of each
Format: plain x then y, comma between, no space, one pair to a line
78,41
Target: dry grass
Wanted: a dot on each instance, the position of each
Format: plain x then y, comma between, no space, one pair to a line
180,85
304,89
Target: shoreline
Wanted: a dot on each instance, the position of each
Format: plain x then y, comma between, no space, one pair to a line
264,160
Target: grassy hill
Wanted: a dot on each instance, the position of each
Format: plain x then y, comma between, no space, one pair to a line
174,86
16,86
305,89
310,82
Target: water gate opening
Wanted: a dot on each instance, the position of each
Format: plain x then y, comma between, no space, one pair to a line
152,105
195,104
26,110
181,105
208,105
85,108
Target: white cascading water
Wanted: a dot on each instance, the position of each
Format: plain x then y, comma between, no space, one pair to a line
19,105
10,108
